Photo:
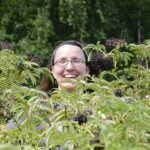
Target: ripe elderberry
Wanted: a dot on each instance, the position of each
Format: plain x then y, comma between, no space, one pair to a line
5,45
34,58
94,68
119,93
94,63
81,118
99,63
112,42
106,63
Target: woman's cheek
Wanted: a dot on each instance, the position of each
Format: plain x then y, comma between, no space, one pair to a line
58,74
82,71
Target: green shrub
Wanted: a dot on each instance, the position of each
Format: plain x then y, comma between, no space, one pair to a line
111,111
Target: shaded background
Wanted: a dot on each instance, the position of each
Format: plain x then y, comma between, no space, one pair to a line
36,25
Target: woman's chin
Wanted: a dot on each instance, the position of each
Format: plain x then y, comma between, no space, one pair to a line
68,86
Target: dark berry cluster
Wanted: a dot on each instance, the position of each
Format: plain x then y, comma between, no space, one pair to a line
5,45
99,63
106,63
80,118
94,68
118,93
34,58
112,42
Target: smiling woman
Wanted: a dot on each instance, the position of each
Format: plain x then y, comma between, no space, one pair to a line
68,62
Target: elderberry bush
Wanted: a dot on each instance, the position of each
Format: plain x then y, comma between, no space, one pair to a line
99,114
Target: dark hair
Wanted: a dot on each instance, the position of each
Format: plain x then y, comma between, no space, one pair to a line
46,84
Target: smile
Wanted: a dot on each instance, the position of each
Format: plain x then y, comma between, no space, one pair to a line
70,76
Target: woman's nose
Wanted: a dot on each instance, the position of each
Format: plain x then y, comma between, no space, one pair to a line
69,65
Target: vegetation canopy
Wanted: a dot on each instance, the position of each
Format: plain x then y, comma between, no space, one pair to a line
111,113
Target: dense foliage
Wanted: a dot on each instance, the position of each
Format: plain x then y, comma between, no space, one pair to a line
111,113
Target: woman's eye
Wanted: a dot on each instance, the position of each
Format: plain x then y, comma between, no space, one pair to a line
62,61
77,61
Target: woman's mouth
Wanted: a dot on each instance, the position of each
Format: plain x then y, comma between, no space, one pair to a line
70,76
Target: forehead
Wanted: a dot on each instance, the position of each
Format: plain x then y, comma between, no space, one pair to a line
69,51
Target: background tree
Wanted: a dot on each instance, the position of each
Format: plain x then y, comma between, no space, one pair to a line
36,25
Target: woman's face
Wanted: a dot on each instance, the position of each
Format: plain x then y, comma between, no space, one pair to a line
69,63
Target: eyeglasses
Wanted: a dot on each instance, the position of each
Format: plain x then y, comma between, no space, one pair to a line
63,62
